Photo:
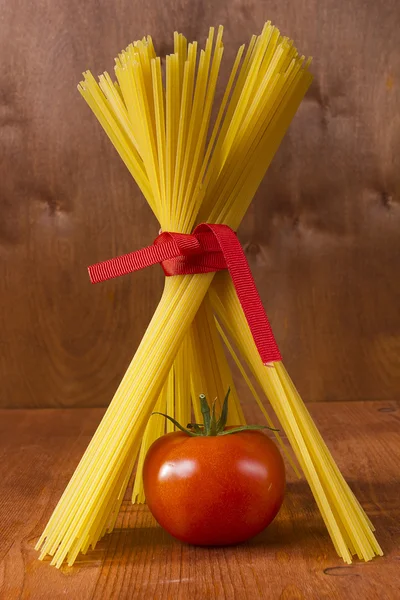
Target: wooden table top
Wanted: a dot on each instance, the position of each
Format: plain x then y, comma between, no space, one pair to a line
292,559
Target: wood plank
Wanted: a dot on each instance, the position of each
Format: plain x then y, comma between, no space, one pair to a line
321,237
292,559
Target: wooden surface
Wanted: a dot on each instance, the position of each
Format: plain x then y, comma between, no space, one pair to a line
293,559
322,237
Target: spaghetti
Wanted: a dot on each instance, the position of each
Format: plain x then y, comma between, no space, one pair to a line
193,170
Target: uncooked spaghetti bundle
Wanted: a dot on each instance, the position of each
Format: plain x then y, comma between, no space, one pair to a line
198,166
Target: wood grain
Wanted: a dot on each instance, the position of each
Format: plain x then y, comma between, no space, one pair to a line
292,559
322,237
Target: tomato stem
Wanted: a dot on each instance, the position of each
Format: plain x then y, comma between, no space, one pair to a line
212,426
205,411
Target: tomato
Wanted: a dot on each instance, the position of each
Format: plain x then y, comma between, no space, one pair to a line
214,489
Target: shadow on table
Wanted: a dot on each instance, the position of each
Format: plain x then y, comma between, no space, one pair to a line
298,528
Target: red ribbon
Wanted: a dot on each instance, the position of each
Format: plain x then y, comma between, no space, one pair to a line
208,249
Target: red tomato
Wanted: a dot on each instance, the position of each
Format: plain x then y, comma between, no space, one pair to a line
214,490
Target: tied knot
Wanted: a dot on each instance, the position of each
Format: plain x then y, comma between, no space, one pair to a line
190,253
188,243
208,249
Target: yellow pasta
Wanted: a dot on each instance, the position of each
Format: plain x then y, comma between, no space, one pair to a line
350,528
190,170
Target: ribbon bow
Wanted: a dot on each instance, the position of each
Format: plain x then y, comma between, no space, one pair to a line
208,249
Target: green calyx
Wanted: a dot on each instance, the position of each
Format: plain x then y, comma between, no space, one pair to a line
212,426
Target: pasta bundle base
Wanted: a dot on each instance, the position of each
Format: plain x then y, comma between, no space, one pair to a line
195,162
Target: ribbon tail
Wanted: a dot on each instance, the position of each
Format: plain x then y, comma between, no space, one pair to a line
247,292
134,261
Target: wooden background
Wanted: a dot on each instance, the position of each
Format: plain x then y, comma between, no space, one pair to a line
322,236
